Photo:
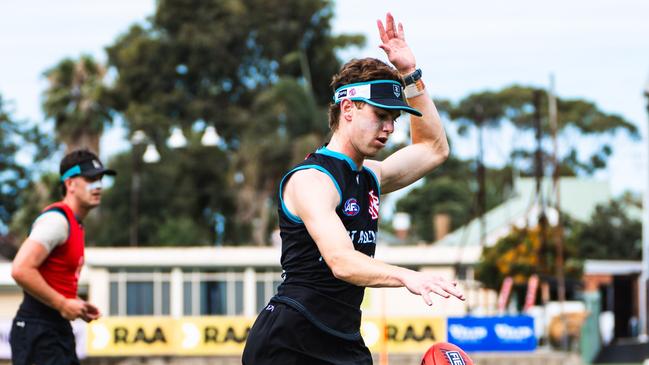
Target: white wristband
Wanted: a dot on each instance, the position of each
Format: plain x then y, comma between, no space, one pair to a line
415,89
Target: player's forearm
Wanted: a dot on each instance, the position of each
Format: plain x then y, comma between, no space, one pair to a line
428,129
31,280
359,269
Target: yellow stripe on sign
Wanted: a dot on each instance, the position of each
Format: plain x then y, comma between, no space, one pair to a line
404,335
225,335
213,335
124,336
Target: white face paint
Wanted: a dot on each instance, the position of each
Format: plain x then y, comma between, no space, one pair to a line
94,185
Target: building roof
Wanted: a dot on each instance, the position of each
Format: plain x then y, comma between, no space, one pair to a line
233,257
579,197
242,257
612,267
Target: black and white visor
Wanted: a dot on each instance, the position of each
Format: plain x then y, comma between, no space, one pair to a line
385,94
89,168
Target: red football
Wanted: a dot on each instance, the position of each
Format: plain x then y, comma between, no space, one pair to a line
445,353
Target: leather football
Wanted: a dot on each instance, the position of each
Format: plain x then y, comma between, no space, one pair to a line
445,353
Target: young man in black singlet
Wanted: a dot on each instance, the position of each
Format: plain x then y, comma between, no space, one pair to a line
329,209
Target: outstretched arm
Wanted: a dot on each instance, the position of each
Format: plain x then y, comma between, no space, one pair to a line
311,195
429,147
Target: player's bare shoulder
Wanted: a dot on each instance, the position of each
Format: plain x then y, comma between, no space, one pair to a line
310,187
375,166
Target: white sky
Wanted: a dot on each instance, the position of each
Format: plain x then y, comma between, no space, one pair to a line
597,50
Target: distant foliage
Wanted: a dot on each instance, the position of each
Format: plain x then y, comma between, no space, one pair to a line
451,189
16,177
611,234
515,104
527,251
256,70
76,100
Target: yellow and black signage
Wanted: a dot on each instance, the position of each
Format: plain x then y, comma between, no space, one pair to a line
213,335
403,335
124,336
141,336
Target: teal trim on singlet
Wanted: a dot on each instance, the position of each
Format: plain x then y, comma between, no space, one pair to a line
376,179
327,152
291,216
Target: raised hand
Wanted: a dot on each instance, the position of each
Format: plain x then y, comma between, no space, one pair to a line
395,46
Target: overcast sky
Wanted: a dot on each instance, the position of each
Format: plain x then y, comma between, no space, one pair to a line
597,50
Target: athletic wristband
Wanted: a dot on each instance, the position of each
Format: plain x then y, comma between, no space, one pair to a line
415,89
413,77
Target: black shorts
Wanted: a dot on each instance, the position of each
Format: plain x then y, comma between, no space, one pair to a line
283,336
35,341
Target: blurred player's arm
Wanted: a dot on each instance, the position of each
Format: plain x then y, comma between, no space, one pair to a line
312,196
25,271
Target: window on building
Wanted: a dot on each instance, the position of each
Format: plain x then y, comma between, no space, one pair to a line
266,287
212,293
138,292
139,298
213,297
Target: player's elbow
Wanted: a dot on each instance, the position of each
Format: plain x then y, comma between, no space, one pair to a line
439,152
18,273
340,267
343,274
444,151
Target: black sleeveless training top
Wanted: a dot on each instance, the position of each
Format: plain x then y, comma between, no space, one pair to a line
309,285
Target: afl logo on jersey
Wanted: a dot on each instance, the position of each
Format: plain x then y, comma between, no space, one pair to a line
351,207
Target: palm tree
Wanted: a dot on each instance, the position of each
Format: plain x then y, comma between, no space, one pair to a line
74,99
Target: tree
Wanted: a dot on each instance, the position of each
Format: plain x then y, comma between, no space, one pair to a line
179,198
524,252
493,109
451,190
75,100
515,105
289,120
207,60
16,138
217,63
37,194
611,234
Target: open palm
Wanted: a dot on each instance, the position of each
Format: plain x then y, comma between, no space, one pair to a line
395,46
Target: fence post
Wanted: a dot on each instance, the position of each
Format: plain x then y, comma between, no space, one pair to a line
590,342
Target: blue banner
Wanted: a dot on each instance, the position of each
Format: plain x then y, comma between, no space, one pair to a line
492,333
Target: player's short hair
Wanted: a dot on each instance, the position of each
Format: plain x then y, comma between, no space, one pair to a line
355,71
72,159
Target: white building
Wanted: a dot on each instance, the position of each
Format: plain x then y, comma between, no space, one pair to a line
195,281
